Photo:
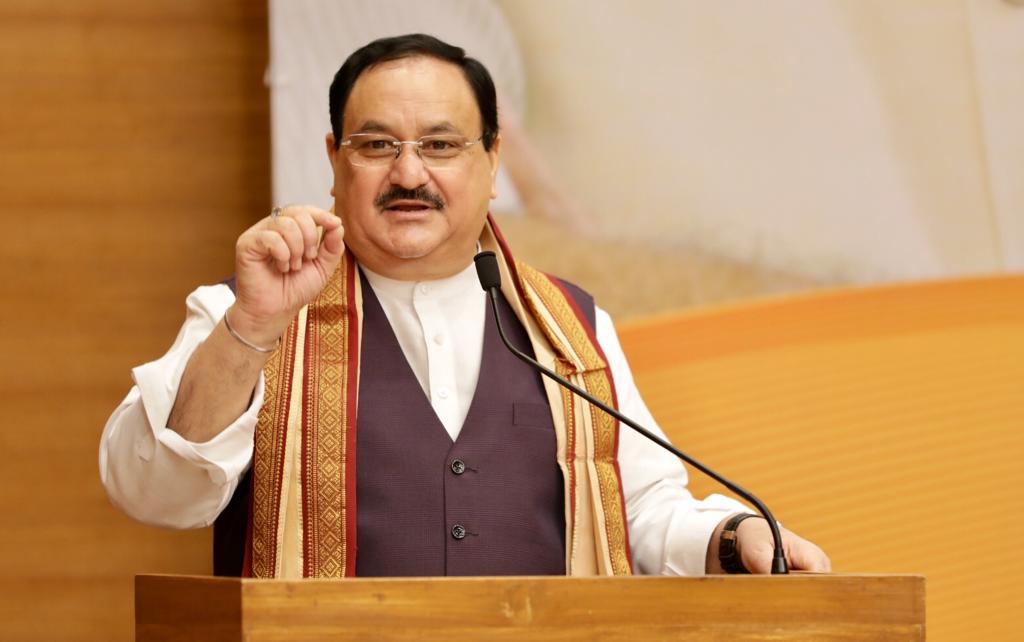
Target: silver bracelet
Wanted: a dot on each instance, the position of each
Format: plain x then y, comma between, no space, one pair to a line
246,342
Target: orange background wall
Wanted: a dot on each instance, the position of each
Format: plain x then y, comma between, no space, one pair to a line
133,149
884,424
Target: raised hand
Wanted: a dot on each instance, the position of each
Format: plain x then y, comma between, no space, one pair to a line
281,264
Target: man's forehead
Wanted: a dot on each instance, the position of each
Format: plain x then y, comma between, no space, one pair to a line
432,93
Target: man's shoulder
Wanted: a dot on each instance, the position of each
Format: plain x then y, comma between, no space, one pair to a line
583,300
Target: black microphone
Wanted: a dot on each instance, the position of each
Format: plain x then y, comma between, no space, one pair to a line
490,279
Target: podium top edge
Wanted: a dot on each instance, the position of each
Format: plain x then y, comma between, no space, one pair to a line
825,577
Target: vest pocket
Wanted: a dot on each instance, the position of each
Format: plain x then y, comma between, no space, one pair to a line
536,415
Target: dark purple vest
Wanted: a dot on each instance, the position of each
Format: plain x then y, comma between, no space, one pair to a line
489,503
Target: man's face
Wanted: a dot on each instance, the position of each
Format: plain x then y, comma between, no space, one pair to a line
434,234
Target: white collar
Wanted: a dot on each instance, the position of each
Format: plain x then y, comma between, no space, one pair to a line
459,285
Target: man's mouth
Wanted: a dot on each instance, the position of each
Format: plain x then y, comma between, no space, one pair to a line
407,206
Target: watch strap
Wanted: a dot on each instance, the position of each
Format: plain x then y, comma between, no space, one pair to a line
728,553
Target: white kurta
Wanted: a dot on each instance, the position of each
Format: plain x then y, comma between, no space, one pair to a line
159,478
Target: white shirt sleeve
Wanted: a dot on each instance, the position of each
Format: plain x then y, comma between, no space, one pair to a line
157,477
151,472
669,529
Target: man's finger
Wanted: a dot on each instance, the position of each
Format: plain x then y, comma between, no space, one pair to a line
805,556
271,244
288,228
331,248
310,236
325,219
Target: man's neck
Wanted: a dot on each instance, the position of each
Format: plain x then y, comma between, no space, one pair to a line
462,286
414,270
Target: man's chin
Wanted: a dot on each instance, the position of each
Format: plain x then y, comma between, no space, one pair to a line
413,246
409,254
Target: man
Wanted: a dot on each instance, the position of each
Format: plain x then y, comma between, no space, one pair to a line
344,408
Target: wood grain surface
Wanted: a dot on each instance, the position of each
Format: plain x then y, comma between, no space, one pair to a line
133,150
798,607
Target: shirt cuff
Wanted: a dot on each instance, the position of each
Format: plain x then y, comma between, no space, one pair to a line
224,457
686,542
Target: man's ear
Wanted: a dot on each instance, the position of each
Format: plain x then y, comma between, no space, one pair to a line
332,156
332,150
493,154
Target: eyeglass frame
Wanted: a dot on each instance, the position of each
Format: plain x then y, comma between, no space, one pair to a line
399,144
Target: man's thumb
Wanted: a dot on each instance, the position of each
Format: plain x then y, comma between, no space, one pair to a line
331,248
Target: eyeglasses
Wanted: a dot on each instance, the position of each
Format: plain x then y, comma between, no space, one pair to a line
380,150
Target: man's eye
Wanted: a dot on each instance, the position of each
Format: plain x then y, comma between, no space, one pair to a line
376,147
442,147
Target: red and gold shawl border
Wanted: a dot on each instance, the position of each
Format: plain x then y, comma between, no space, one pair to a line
325,428
329,428
606,454
268,459
582,357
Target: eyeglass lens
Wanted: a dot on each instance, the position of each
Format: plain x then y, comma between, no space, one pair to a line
377,149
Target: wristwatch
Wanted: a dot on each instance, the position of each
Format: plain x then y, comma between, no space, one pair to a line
728,555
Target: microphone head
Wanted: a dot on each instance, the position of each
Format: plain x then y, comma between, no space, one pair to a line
487,270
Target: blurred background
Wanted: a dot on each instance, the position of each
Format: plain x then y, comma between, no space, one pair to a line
663,154
742,147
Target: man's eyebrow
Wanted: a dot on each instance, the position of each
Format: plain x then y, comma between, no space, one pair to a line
377,127
373,127
443,127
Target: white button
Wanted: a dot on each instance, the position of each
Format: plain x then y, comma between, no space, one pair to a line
424,288
442,393
439,339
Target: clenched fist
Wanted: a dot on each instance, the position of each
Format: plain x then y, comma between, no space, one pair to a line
281,264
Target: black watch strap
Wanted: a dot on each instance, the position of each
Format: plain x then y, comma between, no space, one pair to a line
728,554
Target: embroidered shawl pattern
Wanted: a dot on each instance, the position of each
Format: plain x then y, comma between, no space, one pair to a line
303,513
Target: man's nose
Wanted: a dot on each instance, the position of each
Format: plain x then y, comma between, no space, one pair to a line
408,170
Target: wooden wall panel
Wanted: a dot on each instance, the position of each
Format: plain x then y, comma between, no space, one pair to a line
134,147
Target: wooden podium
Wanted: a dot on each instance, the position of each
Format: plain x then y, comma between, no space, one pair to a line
522,609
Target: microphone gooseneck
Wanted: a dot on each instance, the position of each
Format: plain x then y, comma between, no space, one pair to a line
490,280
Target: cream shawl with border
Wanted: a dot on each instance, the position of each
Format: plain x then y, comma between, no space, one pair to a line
302,519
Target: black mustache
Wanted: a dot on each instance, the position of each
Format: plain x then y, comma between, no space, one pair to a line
402,194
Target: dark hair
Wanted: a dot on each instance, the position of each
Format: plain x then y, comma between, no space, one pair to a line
417,44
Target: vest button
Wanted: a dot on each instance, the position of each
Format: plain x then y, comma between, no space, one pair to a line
458,531
458,466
